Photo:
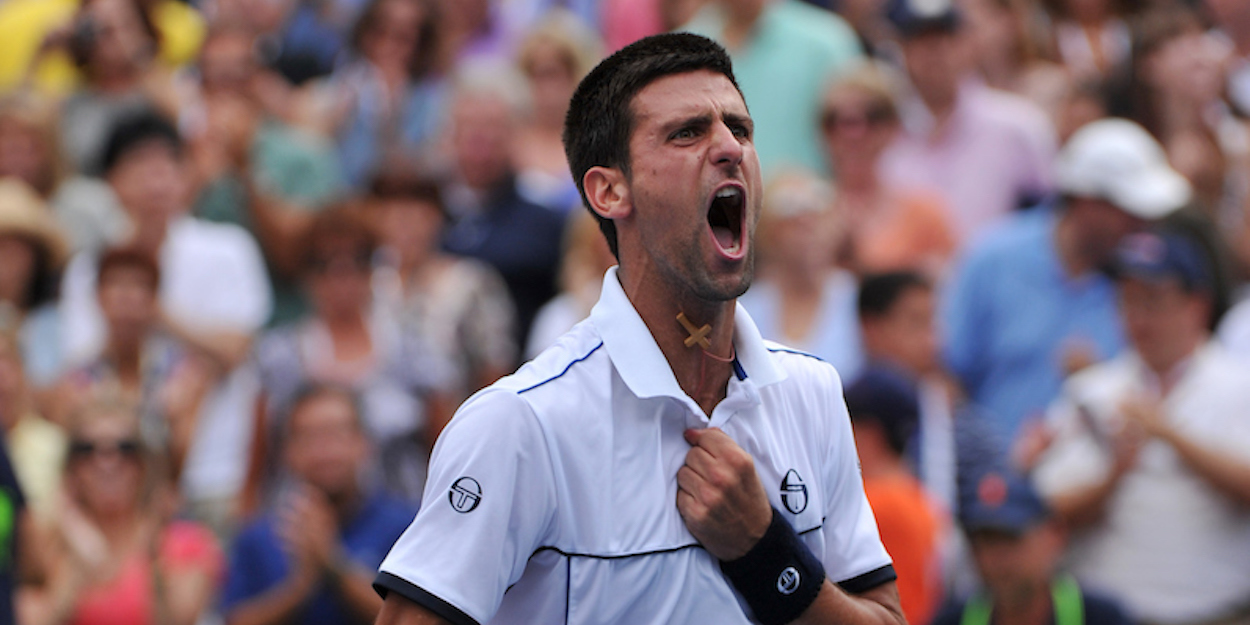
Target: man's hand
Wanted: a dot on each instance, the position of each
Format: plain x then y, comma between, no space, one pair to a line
720,497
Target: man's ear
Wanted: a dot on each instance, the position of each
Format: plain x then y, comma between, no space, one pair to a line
607,192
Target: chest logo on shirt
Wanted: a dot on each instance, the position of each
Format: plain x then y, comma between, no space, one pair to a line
793,492
465,495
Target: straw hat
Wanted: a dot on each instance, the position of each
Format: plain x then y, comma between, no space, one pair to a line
24,213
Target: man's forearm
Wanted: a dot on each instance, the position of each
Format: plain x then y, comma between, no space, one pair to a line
876,606
397,610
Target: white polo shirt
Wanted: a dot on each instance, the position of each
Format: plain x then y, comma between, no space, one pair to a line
551,496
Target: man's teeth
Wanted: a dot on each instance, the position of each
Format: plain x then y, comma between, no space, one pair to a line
726,193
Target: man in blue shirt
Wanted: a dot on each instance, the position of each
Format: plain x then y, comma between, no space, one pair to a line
312,558
1030,303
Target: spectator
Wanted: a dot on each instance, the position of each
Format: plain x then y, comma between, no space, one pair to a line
888,228
213,295
460,306
1092,36
1017,546
32,253
585,259
987,152
114,43
114,556
30,148
490,219
392,101
38,39
311,558
1150,463
140,363
22,566
783,51
800,297
1029,305
553,57
342,343
1174,89
884,411
896,317
1014,52
35,445
1233,19
252,168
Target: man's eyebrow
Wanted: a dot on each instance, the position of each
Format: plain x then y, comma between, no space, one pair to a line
738,118
683,122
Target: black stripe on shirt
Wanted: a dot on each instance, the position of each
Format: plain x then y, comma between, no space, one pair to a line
869,580
386,583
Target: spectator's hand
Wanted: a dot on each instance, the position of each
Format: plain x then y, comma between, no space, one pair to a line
1077,355
1035,438
1146,416
85,544
719,495
310,529
1126,445
186,388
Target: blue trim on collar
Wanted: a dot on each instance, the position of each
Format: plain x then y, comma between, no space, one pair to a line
566,370
738,370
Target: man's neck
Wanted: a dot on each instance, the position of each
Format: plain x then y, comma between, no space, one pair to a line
1170,368
1034,607
1067,246
702,372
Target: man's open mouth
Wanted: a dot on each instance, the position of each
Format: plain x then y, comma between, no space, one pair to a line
724,216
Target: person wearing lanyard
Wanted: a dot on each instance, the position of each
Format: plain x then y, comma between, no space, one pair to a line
1016,544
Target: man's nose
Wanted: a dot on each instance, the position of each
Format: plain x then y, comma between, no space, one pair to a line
727,148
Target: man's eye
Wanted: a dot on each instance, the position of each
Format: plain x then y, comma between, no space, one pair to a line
684,133
742,132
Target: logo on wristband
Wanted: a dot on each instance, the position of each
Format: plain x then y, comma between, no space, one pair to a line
793,492
788,581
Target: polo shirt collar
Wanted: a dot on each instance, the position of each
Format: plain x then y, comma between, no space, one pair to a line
642,365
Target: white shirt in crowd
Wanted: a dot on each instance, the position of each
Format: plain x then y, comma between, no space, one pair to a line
553,492
1171,547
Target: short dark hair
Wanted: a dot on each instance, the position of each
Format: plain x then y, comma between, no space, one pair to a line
336,231
598,125
878,293
397,183
129,258
311,391
135,130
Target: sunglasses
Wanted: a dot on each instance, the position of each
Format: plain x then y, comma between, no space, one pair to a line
80,449
833,119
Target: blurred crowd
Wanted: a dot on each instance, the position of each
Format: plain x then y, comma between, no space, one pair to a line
253,253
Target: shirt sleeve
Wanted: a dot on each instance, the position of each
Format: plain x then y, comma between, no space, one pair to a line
854,557
488,505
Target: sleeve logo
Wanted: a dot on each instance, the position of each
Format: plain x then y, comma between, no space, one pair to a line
465,495
793,492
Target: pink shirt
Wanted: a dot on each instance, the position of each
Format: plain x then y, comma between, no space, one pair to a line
994,151
127,599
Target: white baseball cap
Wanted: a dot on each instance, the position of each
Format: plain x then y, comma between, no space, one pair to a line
1118,161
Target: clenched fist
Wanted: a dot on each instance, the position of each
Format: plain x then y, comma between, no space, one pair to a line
719,495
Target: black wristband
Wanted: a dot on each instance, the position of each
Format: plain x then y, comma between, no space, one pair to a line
780,577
